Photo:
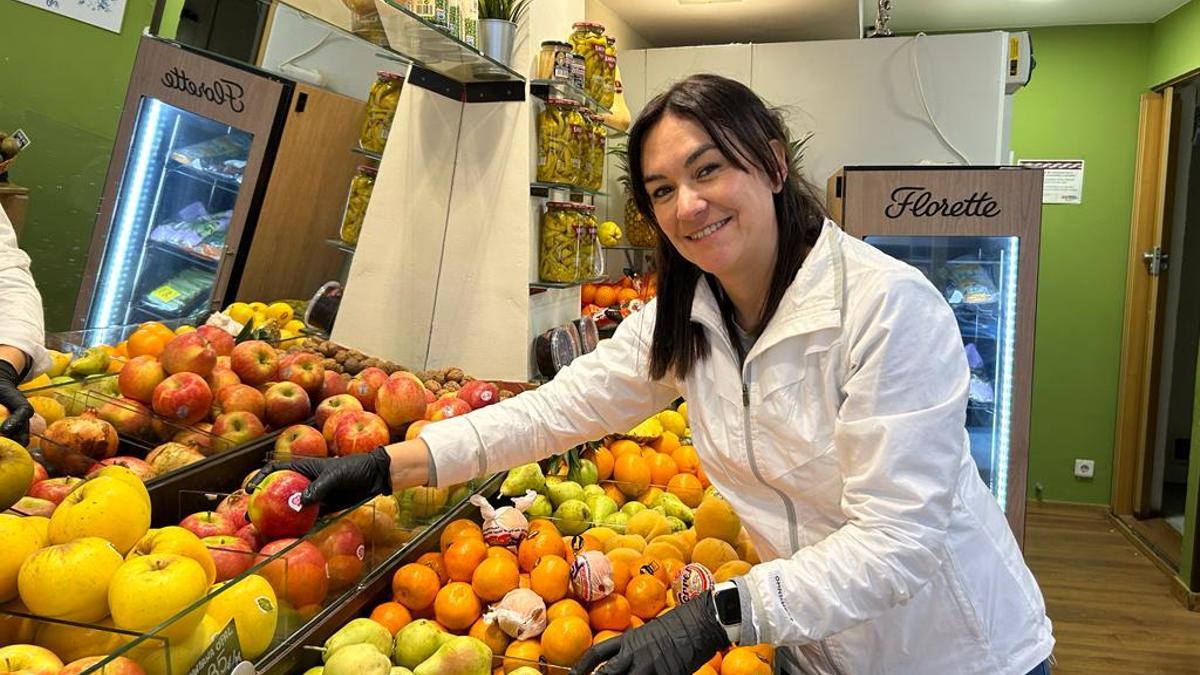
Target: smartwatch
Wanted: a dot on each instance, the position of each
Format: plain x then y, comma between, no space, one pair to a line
728,604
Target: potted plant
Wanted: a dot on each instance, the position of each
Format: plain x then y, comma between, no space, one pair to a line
498,27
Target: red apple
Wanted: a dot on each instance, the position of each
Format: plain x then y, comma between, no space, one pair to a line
236,428
401,400
360,432
222,377
222,342
447,407
298,576
430,397
334,384
300,440
233,507
304,369
128,416
275,507
326,409
344,547
365,386
251,536
329,429
139,467
189,353
208,524
183,397
32,506
479,393
244,398
139,376
40,473
231,555
286,404
254,361
54,489
120,665
414,429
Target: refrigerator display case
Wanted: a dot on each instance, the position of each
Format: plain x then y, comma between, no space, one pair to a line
185,182
974,233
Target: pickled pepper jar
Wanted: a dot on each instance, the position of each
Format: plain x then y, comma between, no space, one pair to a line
361,186
558,255
579,144
591,254
609,93
381,110
588,41
599,142
556,145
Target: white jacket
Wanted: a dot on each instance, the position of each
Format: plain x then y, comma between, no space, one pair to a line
841,444
20,302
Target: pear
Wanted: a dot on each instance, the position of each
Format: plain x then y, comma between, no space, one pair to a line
359,659
418,641
602,506
423,502
359,631
592,490
92,361
616,521
631,509
677,525
315,670
672,506
564,491
522,478
397,670
573,517
463,655
541,508
58,363
584,472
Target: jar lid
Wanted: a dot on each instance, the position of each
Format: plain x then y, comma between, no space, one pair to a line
555,43
561,205
389,75
562,101
586,207
368,170
611,40
588,25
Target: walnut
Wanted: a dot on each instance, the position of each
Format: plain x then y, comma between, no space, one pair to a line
454,374
352,365
504,393
451,386
433,385
330,364
341,355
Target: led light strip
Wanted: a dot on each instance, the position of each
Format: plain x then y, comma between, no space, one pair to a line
1006,368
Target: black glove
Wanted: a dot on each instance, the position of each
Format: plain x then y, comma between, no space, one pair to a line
16,426
337,483
676,643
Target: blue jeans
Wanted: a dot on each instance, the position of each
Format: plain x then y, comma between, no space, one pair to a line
1043,668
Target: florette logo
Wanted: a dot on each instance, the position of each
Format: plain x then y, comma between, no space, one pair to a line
921,203
221,92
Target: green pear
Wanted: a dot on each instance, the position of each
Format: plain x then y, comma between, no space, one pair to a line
315,670
522,478
92,361
541,508
423,502
616,521
584,472
566,490
462,655
418,641
677,525
359,631
460,494
573,517
359,659
602,506
590,490
631,508
671,505
397,670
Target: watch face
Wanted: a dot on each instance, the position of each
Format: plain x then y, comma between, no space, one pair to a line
729,606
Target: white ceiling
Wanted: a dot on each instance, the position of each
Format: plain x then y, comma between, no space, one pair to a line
667,23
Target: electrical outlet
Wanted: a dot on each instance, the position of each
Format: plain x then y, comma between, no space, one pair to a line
1085,468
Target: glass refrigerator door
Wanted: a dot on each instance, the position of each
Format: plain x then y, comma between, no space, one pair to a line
167,237
978,278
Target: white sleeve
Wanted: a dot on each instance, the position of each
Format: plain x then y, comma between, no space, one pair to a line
20,303
899,437
605,391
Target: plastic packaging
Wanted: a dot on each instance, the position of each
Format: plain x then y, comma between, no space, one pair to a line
691,581
521,614
591,576
558,259
507,525
361,186
381,110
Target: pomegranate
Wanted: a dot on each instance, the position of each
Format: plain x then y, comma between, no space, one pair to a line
171,456
87,435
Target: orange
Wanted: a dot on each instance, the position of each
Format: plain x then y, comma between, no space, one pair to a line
667,443
610,613
626,294
145,343
603,459
626,282
706,670
578,543
122,349
715,662
463,556
653,567
744,661
672,566
648,452
686,459
662,469
621,574
765,650
587,294
632,474
647,595
566,607
605,635
522,653
502,552
687,487
157,327
636,622
544,525
392,616
490,635
494,577
458,529
550,578
537,544
415,586
615,493
606,296
565,640
703,479
650,496
433,560
456,606
621,447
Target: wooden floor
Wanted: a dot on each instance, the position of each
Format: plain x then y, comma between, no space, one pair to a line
1112,609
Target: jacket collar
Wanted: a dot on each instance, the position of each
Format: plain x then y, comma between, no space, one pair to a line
813,300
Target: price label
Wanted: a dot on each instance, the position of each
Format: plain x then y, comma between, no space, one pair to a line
223,656
165,294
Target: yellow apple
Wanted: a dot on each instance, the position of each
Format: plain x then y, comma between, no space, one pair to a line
148,590
70,642
21,540
69,581
16,629
29,660
41,527
252,605
104,507
16,472
126,476
175,539
170,657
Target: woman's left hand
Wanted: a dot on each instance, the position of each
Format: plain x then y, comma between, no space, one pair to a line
676,643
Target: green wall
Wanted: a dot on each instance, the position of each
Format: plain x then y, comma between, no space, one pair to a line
63,82
1081,103
1175,44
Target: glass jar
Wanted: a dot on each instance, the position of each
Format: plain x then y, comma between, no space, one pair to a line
580,143
555,146
554,61
558,256
599,143
381,109
588,41
591,255
361,186
608,92
578,71
584,144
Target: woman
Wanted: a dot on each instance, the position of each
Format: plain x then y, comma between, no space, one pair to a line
827,388
21,333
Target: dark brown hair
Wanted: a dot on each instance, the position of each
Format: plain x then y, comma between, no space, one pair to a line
742,126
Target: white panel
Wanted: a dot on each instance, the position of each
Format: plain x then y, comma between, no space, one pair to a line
860,98
388,303
665,67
